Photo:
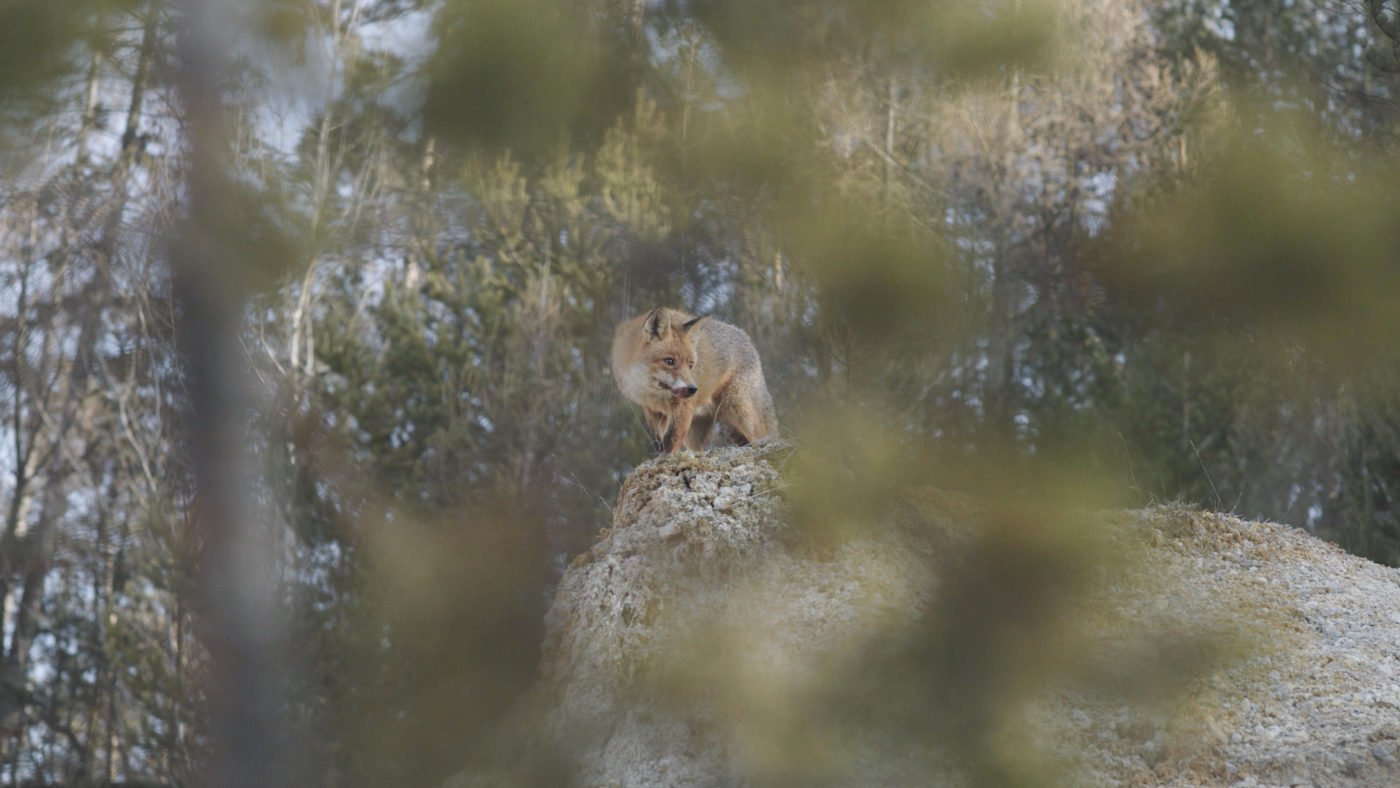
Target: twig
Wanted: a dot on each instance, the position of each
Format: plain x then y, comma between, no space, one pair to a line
1219,504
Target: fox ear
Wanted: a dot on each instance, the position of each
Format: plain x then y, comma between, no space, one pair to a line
657,325
691,325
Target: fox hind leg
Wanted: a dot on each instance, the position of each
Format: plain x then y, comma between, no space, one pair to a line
747,421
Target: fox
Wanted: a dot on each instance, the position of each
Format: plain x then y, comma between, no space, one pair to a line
689,372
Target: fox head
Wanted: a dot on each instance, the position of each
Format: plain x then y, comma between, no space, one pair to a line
669,351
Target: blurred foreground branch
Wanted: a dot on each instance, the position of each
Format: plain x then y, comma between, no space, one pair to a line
242,626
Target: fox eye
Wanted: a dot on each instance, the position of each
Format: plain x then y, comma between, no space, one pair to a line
670,362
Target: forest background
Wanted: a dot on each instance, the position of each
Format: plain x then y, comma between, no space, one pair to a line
323,291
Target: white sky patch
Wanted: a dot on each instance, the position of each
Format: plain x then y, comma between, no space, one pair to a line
409,36
307,84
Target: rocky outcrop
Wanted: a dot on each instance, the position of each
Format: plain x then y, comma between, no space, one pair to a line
704,640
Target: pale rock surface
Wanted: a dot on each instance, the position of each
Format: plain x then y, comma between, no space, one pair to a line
700,561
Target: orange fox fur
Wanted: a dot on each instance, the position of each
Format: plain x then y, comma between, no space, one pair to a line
689,372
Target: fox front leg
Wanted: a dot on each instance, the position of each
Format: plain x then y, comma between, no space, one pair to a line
680,427
658,424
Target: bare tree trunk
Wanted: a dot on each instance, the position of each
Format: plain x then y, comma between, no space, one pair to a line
16,662
175,728
1001,350
636,20
887,174
241,622
19,499
130,134
89,121
1001,382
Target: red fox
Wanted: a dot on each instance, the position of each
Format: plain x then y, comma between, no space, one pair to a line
689,372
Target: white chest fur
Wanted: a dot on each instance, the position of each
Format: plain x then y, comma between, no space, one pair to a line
636,384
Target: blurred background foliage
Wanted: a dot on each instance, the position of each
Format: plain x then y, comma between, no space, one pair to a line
975,241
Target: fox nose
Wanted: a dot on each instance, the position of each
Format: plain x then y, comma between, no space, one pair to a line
690,390
685,392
